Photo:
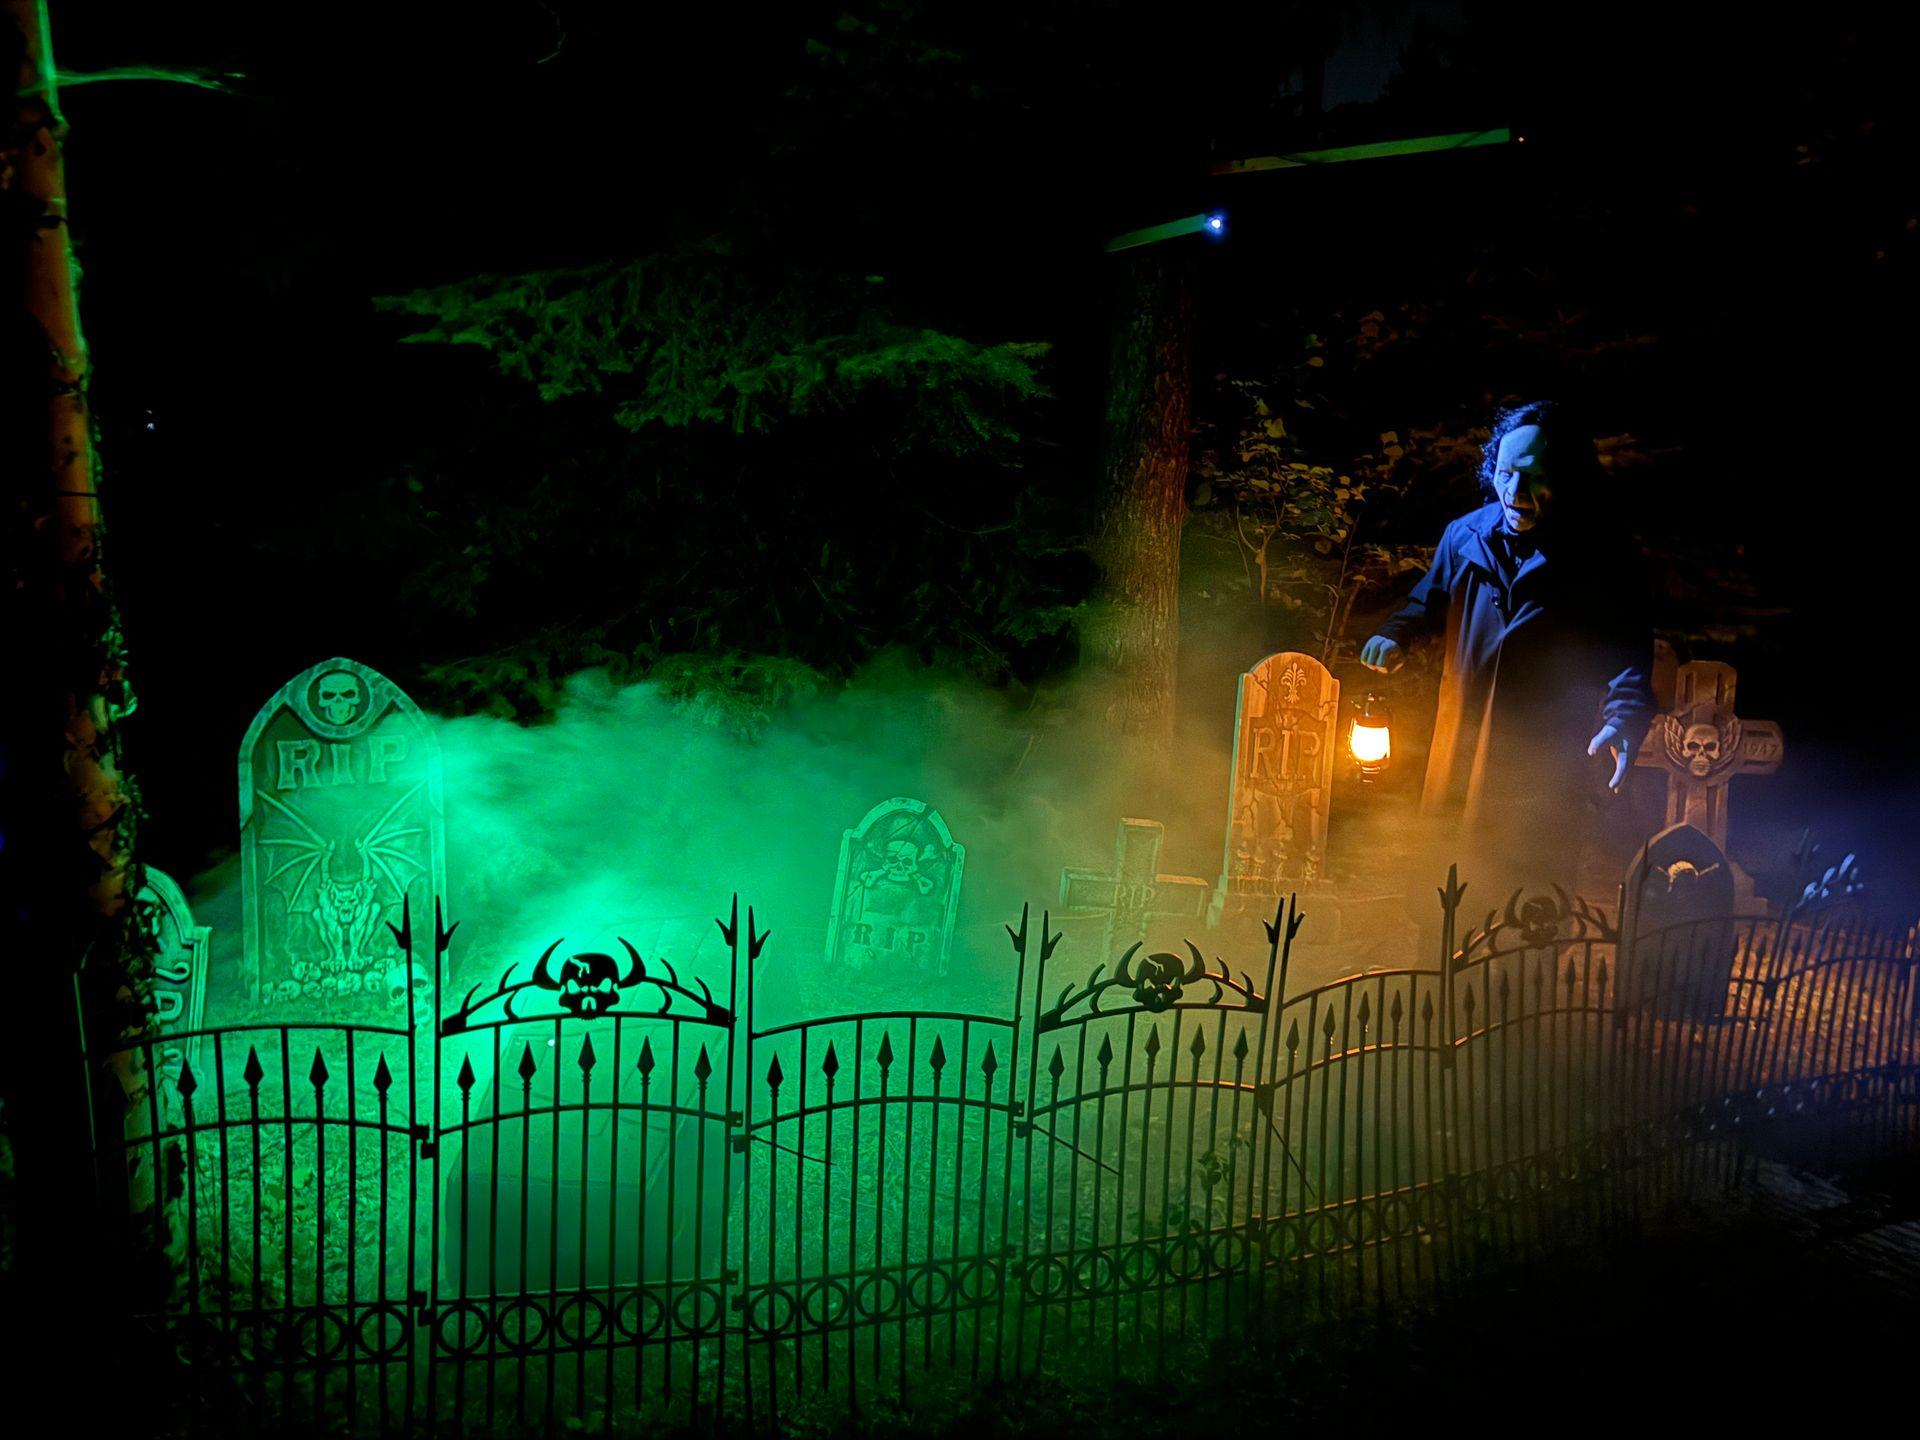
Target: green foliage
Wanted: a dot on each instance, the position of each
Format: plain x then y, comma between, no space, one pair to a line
1295,519
698,455
705,337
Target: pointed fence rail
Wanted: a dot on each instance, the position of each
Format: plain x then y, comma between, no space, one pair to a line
602,1192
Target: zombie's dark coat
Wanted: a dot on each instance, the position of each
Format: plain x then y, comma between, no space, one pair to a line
1530,671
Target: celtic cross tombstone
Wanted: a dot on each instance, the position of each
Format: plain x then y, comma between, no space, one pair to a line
896,891
1133,894
1282,787
1702,744
341,821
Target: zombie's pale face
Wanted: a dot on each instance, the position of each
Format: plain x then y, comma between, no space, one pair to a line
1520,480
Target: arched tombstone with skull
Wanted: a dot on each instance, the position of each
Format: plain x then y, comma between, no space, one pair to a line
896,891
341,824
1677,930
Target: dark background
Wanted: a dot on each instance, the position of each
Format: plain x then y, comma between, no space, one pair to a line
1739,189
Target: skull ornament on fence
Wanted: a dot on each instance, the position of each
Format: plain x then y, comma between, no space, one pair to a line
1539,920
589,984
1156,981
339,697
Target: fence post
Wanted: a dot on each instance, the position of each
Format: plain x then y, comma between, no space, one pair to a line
1443,1077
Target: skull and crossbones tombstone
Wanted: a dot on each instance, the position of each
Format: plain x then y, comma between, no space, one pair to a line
896,891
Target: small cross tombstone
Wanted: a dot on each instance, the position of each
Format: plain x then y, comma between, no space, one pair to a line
1677,926
896,891
1702,744
1133,895
1282,786
341,821
180,965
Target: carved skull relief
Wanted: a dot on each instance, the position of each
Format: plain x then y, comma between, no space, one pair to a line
900,862
339,697
1704,743
1701,747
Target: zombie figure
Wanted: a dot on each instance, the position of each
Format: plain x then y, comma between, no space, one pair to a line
1542,601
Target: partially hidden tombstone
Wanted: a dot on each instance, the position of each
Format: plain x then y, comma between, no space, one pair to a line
341,823
1677,932
896,891
1282,785
182,949
1131,899
180,963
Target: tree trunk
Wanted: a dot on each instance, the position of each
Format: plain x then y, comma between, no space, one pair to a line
69,870
1132,638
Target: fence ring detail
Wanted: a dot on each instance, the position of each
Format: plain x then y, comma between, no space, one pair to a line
639,1315
771,1310
579,1305
511,1327
308,1328
697,1310
1094,1273
450,1328
824,1302
929,1287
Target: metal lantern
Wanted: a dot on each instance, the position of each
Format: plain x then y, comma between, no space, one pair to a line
1370,739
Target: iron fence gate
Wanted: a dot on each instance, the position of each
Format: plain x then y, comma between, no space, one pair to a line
600,1191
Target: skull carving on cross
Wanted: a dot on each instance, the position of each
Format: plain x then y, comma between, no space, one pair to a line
339,697
1700,747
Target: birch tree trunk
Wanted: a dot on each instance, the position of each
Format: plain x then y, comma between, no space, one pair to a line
72,873
1132,637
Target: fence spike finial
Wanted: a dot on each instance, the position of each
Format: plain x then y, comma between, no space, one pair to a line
403,932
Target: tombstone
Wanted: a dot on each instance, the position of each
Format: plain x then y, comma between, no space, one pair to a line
1282,787
896,891
180,963
1677,927
1128,900
341,820
1702,745
180,967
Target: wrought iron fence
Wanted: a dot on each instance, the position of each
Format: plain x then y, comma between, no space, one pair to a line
603,1192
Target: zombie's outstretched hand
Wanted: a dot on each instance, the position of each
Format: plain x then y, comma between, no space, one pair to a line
1380,653
1622,745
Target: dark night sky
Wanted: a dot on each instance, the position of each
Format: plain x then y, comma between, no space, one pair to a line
232,242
